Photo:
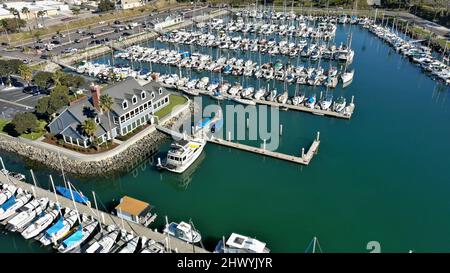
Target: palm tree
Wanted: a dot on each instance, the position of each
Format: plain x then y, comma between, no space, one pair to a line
15,12
41,14
26,11
89,127
106,104
25,73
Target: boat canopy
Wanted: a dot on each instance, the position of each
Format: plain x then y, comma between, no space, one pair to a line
8,203
74,238
80,198
56,227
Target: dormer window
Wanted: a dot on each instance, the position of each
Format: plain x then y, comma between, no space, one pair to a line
125,105
134,99
160,91
143,95
153,95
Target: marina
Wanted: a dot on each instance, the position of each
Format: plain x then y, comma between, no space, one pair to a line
235,186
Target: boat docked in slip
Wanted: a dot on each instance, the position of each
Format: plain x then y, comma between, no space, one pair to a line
7,192
26,214
83,232
244,101
326,102
182,154
151,246
131,245
237,243
40,224
296,100
183,231
347,78
78,196
339,104
14,203
311,101
60,229
283,97
106,242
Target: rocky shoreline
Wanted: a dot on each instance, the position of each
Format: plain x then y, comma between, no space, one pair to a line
135,153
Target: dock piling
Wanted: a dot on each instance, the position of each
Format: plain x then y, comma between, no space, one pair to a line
318,136
229,135
281,129
303,152
264,145
353,98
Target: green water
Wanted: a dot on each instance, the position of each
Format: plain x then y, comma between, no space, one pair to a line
381,176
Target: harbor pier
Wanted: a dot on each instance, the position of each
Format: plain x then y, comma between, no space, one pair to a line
104,217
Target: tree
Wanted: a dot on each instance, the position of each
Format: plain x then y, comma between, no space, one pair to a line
25,73
26,11
106,104
24,122
89,127
106,5
41,15
43,79
12,25
58,98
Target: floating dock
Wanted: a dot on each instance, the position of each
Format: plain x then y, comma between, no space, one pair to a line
106,218
303,159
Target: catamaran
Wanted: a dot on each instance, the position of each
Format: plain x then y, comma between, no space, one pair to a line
237,243
182,154
183,231
26,214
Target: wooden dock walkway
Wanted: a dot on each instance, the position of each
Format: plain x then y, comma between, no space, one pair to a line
304,158
302,108
106,218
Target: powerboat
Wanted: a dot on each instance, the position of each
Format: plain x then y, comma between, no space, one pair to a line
7,192
182,154
183,231
237,243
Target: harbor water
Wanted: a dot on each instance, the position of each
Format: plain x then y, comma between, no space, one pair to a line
380,176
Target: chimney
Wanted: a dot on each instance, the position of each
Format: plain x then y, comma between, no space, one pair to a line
95,91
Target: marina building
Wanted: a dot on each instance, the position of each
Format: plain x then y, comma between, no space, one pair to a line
134,210
133,106
129,4
167,22
51,8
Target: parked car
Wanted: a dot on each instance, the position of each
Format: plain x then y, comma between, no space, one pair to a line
126,34
77,41
56,42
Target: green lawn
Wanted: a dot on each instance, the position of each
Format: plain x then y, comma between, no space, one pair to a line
33,136
174,100
3,123
40,131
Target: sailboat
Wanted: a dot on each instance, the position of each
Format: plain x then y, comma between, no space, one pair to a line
326,102
60,228
14,203
83,232
313,245
131,246
106,242
7,192
40,224
347,78
26,214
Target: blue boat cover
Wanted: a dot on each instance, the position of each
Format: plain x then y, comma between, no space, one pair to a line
218,124
77,196
55,228
8,203
74,238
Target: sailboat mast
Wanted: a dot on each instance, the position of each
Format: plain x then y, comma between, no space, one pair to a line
314,244
62,170
98,212
56,196
74,204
